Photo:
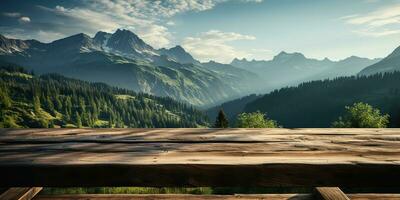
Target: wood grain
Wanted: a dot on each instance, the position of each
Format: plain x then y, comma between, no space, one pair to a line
374,196
200,157
25,193
330,193
175,197
209,197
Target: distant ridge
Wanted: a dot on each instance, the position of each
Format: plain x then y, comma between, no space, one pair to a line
389,64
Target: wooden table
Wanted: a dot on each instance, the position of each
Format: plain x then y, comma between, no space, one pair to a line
200,157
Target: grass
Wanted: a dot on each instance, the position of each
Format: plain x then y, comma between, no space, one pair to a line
204,190
127,190
175,190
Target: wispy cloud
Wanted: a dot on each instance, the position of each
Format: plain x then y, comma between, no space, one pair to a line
214,45
22,19
376,23
379,33
11,14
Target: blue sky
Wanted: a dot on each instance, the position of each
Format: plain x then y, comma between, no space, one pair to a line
220,29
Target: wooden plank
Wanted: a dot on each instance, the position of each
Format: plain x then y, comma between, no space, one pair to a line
206,197
186,134
374,196
25,193
200,157
174,197
330,193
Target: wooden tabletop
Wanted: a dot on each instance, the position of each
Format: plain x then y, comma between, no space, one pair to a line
199,157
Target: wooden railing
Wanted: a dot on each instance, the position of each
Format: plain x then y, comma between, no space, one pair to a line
327,159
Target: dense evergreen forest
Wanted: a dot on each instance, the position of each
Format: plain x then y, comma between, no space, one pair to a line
319,103
52,100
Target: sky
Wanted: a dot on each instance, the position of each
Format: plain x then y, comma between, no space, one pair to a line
219,30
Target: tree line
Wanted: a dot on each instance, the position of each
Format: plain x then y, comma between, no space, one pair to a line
52,100
319,103
358,115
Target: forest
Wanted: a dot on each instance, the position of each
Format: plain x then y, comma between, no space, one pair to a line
53,101
319,103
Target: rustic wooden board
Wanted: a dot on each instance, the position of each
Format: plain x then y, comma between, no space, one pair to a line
330,193
374,196
175,197
25,193
200,157
209,197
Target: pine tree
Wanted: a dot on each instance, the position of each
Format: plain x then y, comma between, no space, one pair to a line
78,120
110,123
5,100
36,104
221,121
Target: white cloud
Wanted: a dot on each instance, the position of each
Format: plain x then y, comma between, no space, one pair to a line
24,19
380,33
12,14
213,45
150,19
21,19
379,17
377,23
171,23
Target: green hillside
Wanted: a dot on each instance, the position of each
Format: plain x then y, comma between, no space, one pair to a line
319,103
52,100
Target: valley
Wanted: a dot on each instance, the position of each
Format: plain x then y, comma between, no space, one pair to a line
125,61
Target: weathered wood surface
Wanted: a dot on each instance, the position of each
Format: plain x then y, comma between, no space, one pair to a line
25,193
209,197
330,193
200,157
175,197
374,196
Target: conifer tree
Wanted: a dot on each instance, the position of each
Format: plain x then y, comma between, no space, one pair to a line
5,100
36,104
78,120
221,121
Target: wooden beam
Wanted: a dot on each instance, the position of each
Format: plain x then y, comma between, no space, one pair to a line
374,196
200,157
174,197
20,193
330,193
207,197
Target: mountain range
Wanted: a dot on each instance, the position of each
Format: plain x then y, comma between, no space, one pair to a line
296,68
319,103
124,60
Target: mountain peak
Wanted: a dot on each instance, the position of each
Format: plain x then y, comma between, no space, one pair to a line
395,53
178,47
179,54
283,56
100,34
326,59
236,60
80,38
127,33
127,42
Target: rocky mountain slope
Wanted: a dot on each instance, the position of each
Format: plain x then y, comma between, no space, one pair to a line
122,59
389,64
